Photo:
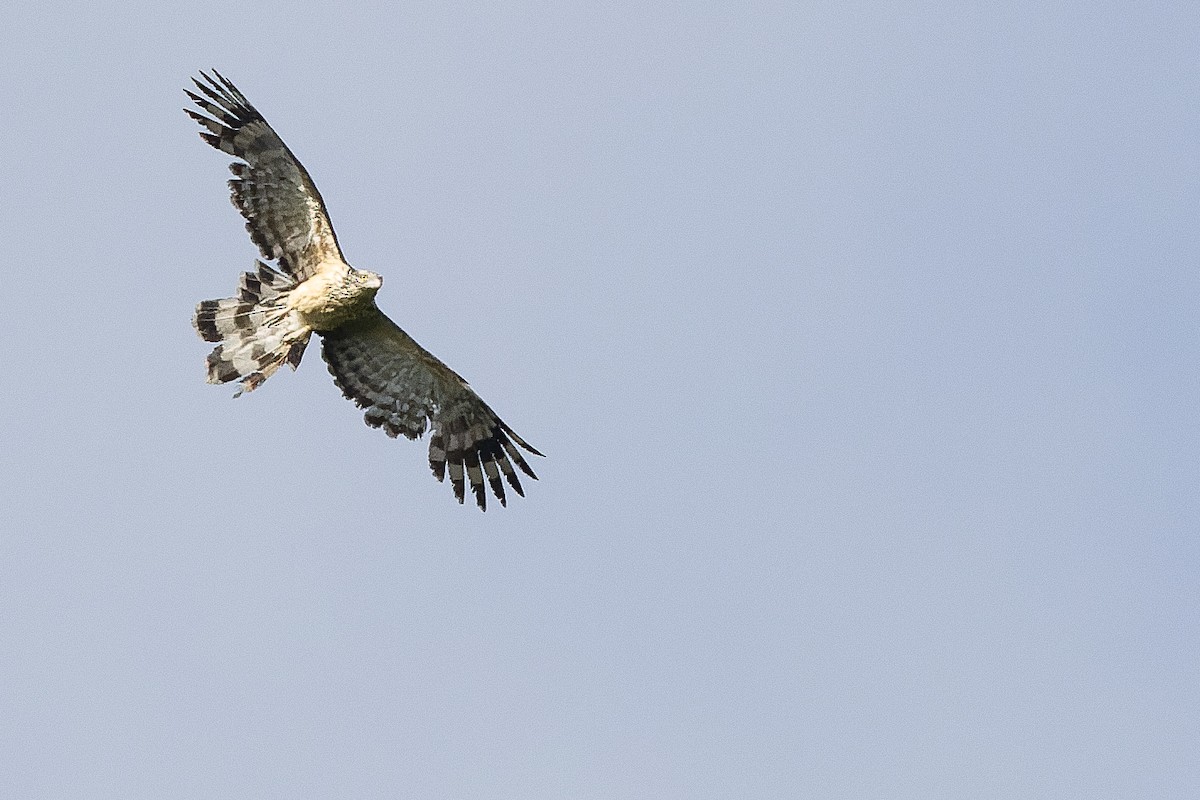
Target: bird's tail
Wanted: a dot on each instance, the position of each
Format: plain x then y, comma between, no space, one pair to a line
257,331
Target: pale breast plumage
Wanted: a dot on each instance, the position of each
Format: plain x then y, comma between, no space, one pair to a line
404,388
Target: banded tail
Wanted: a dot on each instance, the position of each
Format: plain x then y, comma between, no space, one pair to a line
257,331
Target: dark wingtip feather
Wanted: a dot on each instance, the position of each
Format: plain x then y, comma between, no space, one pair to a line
515,455
457,475
513,435
437,457
475,476
497,488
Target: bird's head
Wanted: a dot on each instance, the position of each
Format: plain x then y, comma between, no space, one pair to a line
369,281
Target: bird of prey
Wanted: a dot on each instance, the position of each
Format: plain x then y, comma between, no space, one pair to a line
310,289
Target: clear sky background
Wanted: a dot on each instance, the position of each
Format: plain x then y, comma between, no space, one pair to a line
861,338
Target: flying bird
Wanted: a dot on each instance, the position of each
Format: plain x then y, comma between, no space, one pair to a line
311,289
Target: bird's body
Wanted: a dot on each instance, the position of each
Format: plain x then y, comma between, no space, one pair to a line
404,388
333,297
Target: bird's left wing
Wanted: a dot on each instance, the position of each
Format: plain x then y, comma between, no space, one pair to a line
284,212
405,388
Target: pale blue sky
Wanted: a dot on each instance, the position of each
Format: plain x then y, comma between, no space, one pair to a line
861,338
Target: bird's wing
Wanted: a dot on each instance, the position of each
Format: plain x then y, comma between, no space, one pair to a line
405,389
284,212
